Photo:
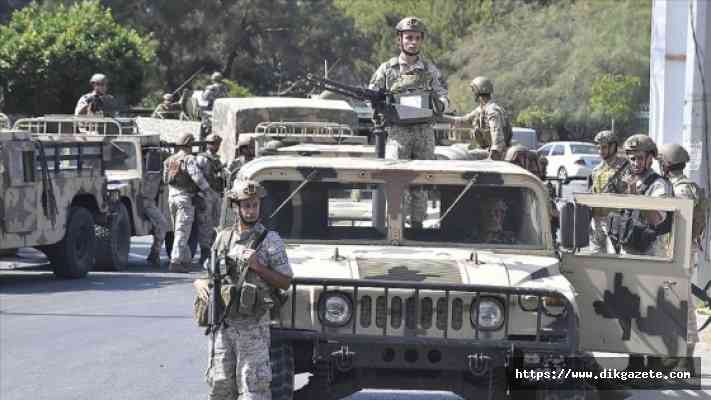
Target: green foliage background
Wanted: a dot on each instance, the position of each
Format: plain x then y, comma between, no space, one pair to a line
564,67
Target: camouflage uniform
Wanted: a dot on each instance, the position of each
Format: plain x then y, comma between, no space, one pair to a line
108,104
601,174
491,230
215,91
413,142
660,187
685,190
208,210
148,196
239,365
487,126
167,111
180,201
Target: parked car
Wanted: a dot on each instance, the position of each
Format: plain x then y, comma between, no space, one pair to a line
570,159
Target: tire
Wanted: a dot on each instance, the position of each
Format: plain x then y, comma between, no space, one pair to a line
192,242
73,256
114,241
562,174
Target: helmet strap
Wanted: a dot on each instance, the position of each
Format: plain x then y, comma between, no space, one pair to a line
242,219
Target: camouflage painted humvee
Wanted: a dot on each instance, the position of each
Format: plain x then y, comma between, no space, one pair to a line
462,302
53,192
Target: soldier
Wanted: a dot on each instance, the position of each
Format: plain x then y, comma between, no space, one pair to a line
491,129
414,81
168,109
149,193
239,363
98,101
672,160
606,177
493,214
519,155
185,182
208,211
217,89
641,152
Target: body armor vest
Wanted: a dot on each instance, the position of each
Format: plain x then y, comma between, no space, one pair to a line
177,173
214,174
417,82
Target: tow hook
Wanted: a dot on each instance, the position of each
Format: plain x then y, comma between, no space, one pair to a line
343,358
478,363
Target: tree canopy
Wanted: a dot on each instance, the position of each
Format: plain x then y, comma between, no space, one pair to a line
48,56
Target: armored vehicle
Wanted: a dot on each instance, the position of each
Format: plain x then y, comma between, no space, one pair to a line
54,191
478,291
134,158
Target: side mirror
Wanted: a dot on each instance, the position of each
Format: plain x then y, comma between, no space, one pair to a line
575,226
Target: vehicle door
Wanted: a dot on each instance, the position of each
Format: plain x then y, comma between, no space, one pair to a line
21,191
556,159
634,303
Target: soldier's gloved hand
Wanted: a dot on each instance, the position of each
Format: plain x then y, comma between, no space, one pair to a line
202,288
250,256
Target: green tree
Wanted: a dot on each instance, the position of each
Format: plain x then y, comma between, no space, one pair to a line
615,97
49,54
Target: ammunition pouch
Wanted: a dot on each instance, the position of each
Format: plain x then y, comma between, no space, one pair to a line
626,229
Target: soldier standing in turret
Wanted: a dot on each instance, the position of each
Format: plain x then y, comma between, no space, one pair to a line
606,177
239,364
208,210
168,109
98,101
490,126
415,82
185,182
217,89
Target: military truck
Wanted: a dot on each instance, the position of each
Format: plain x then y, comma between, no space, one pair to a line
54,192
479,291
133,157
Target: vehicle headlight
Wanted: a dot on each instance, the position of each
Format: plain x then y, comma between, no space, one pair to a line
335,308
491,314
553,306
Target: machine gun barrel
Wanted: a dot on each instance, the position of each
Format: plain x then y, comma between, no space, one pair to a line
373,96
186,83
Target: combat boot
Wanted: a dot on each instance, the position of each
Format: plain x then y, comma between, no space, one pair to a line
178,267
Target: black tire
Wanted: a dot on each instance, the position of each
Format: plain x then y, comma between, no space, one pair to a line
114,241
192,242
73,257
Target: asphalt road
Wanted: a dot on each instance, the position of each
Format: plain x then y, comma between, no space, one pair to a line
127,335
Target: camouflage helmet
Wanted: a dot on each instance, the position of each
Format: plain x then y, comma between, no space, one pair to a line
216,76
606,137
98,78
273,145
246,189
640,142
167,97
513,151
412,24
673,154
185,139
482,85
212,138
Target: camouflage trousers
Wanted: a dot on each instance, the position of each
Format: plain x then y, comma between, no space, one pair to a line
158,221
412,143
238,367
182,211
207,213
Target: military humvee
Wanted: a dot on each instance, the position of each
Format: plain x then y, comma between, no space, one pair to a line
461,303
133,157
54,191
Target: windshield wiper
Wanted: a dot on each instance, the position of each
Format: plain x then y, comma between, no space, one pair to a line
454,203
308,179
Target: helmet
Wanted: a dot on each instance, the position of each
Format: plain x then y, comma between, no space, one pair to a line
482,85
216,76
248,189
97,78
513,151
272,146
412,24
245,140
606,137
673,154
185,139
640,142
167,97
212,138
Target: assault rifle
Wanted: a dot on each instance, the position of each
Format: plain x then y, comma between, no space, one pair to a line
186,83
611,185
214,306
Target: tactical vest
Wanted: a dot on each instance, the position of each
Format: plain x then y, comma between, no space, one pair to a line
482,132
601,176
177,173
213,174
701,206
417,82
254,297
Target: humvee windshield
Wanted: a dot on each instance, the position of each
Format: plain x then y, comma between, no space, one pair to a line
492,215
122,157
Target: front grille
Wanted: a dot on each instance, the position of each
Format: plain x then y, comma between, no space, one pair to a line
426,313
